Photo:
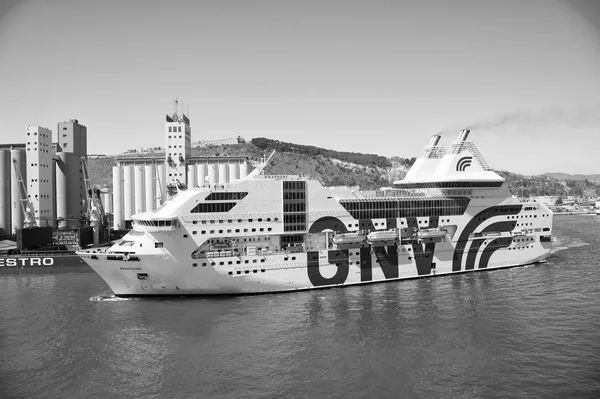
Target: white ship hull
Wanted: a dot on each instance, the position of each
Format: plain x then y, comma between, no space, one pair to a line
167,276
285,233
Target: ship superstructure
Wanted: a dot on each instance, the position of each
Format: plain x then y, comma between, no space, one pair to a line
451,214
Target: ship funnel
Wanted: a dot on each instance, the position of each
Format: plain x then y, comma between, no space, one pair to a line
435,139
463,135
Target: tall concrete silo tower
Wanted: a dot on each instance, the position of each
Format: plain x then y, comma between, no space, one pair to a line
178,147
70,187
39,173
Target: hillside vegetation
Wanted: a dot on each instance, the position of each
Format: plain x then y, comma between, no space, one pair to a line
337,168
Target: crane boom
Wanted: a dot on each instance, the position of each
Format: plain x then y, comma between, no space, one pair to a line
26,204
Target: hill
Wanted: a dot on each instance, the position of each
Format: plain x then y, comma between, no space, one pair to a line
565,176
332,168
369,171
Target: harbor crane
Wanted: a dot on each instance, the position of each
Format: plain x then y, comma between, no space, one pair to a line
95,210
26,204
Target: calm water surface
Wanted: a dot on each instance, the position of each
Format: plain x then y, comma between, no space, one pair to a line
524,332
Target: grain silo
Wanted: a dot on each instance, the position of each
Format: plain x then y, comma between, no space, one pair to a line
118,201
139,199
128,204
212,173
192,181
5,165
234,171
201,173
223,173
149,187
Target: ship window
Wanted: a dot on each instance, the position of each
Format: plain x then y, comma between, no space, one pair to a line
237,262
262,260
213,207
194,264
194,232
203,263
254,271
247,271
269,229
253,260
221,263
293,258
230,273
185,236
220,231
237,230
225,196
249,220
195,222
158,245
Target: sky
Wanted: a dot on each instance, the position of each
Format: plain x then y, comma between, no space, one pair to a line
365,76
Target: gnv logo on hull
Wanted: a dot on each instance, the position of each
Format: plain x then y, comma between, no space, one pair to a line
463,164
385,257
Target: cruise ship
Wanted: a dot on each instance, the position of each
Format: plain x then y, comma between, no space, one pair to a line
273,233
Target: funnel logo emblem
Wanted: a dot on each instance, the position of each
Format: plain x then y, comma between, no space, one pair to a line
463,164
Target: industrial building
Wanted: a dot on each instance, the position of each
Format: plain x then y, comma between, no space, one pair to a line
142,183
41,181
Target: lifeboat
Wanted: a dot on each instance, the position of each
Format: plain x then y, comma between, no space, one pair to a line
432,233
382,236
349,238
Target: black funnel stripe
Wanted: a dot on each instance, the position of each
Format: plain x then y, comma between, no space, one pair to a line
463,164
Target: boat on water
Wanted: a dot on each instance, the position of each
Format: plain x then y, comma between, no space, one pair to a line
268,233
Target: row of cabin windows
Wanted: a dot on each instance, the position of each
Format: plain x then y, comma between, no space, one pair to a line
174,129
294,207
229,231
401,222
238,220
247,271
238,262
399,208
298,185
